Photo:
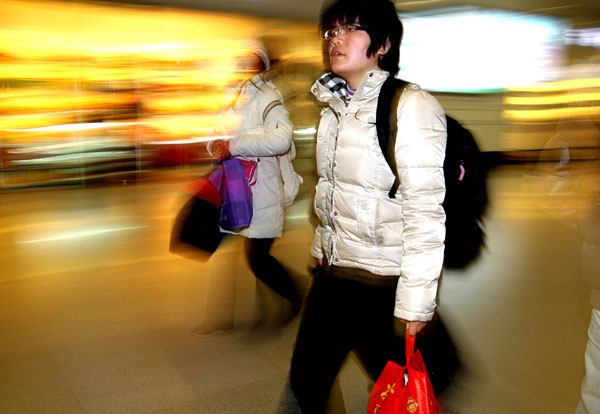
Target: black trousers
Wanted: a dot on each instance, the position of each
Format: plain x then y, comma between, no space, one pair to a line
346,309
269,271
352,310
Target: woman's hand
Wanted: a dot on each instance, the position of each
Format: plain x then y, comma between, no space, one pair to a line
414,327
220,149
401,327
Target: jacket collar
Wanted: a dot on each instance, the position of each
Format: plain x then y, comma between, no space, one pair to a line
331,89
257,81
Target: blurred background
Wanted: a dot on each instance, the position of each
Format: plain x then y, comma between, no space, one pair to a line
98,90
105,112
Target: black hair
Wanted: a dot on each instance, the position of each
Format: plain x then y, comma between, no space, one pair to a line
379,19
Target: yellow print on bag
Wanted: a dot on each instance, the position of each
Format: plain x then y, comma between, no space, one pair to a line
390,389
377,407
411,405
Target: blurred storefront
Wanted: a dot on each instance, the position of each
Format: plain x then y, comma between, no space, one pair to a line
109,91
95,91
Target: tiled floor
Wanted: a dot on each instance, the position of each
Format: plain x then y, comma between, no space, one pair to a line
96,314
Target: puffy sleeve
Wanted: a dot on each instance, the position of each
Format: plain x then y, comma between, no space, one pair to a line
315,250
420,150
272,131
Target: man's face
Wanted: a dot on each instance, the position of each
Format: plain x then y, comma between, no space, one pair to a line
348,56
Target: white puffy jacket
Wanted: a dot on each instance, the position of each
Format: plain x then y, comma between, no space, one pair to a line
360,226
262,133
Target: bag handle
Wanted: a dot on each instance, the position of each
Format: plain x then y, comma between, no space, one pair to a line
410,346
216,177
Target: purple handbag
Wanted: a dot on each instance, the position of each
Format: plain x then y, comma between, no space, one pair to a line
236,194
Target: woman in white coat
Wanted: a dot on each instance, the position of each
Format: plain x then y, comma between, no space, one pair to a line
262,134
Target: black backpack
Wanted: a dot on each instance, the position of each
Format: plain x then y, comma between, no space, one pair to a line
464,171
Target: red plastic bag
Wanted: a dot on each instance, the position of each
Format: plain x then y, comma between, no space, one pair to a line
404,390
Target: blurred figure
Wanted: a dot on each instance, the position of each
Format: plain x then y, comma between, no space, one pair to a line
588,222
588,219
261,132
569,172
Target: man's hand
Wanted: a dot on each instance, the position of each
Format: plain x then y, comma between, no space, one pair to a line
220,149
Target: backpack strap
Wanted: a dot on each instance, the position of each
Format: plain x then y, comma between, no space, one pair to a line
387,124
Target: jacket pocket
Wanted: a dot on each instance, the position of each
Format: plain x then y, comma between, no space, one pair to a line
366,220
366,115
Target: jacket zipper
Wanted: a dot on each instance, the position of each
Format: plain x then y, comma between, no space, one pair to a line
337,118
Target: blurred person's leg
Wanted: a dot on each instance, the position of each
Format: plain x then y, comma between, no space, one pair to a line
270,272
590,387
266,305
221,271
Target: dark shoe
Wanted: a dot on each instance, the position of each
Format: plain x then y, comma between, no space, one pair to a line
207,329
